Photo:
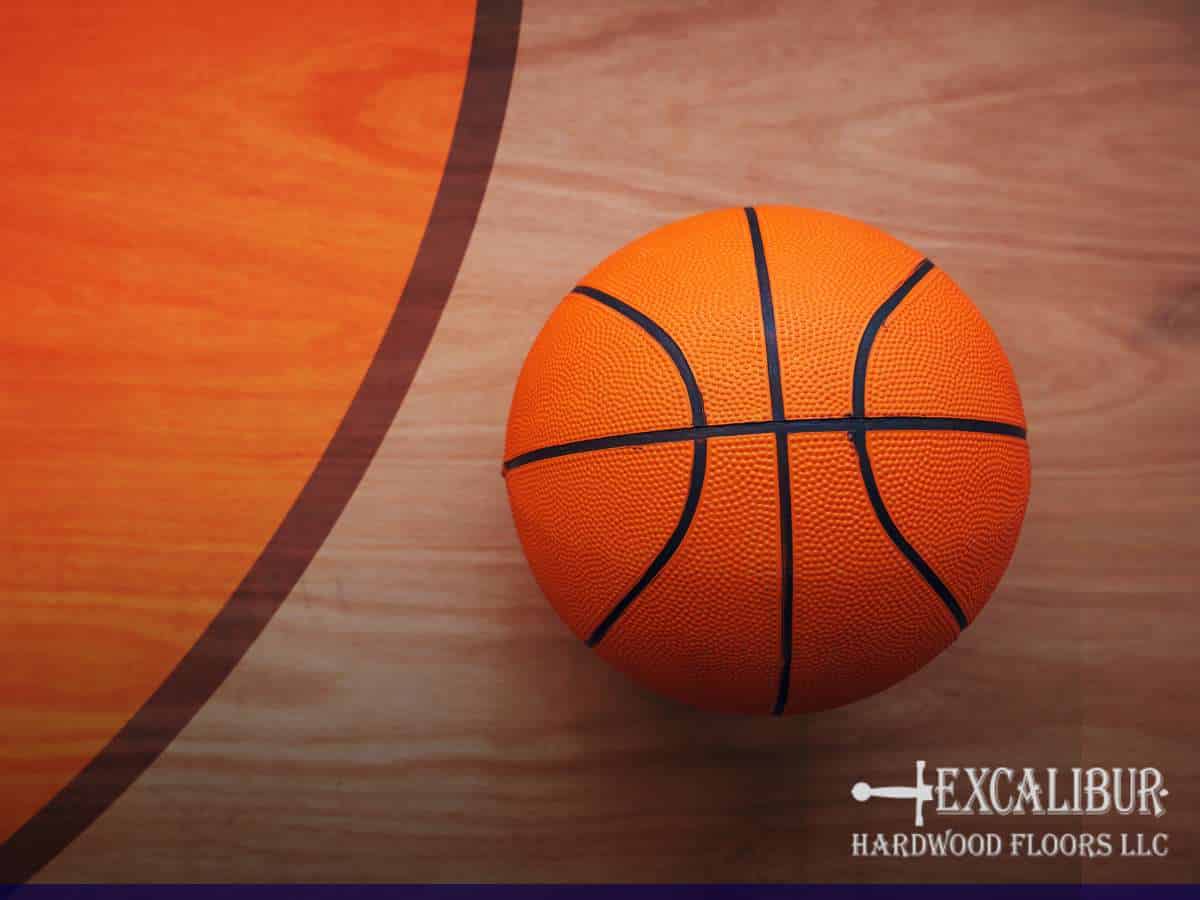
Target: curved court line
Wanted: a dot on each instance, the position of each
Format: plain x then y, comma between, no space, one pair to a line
334,479
699,453
864,459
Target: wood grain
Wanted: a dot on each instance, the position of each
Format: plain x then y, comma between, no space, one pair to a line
187,328
416,712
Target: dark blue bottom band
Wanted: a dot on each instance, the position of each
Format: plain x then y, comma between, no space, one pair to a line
598,892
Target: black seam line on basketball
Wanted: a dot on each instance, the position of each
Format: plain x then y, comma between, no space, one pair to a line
859,389
699,453
893,532
788,426
783,475
859,406
774,379
667,342
699,463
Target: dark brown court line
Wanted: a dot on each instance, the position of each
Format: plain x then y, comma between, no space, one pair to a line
334,479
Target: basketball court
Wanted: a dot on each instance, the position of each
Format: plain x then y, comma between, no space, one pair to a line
271,279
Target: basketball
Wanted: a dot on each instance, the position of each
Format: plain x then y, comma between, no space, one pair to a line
767,460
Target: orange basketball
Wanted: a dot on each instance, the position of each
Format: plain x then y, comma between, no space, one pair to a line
767,460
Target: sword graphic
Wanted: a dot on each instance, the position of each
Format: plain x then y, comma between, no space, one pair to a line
922,793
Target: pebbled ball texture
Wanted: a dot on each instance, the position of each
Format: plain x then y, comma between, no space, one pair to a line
864,618
723,580
958,498
592,372
936,356
567,516
754,559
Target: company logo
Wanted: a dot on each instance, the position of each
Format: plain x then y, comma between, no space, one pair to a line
1006,791
921,792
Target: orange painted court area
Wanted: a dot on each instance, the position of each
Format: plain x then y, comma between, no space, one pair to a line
208,218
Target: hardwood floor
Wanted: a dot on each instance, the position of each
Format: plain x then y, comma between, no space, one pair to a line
415,711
